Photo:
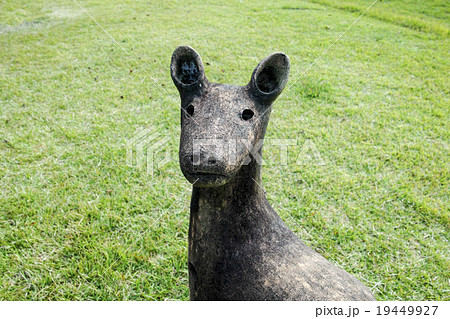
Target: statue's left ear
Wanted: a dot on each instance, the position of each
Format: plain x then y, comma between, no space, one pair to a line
270,77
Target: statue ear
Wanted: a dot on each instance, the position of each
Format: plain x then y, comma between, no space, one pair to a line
186,69
270,77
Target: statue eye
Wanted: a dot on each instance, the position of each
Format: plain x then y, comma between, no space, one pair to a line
190,110
247,114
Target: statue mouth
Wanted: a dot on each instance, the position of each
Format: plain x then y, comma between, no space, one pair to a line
207,174
206,179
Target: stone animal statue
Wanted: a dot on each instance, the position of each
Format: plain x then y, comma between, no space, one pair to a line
239,248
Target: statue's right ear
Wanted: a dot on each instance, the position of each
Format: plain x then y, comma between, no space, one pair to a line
186,69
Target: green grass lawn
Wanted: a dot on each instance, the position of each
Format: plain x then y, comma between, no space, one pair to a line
371,193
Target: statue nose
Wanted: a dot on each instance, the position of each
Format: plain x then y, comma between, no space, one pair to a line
212,160
198,159
195,159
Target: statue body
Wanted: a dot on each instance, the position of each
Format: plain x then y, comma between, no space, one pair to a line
239,248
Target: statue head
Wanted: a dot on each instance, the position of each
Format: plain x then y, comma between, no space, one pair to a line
223,126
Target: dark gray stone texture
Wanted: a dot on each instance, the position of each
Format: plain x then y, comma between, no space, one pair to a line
239,248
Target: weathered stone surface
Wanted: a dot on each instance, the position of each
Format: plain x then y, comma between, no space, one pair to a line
239,248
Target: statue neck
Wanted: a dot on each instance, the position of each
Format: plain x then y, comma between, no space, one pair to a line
244,189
